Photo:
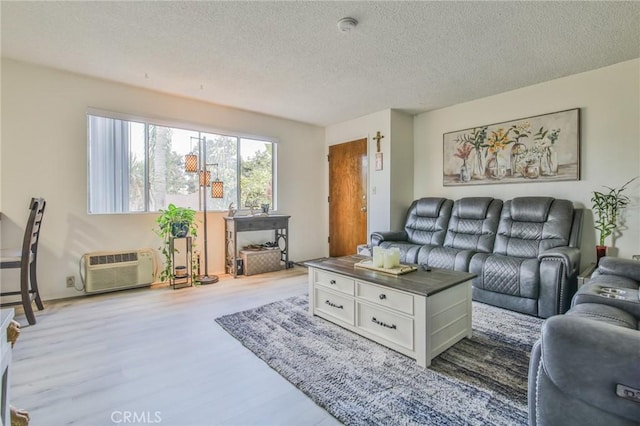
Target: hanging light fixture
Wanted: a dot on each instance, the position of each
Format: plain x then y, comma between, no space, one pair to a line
217,186
191,163
217,191
205,178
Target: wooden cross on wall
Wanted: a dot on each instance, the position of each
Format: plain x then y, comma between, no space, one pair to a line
377,138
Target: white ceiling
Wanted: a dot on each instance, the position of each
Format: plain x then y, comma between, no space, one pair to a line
288,59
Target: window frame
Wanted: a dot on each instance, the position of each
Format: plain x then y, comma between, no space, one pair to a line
188,126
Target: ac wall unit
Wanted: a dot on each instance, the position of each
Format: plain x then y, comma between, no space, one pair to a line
118,270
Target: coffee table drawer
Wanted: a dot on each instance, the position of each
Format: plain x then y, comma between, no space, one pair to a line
394,328
393,299
335,282
334,304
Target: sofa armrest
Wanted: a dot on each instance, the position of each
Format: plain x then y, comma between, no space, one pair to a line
627,268
587,359
378,237
570,256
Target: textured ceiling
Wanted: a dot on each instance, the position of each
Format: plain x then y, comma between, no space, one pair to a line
288,59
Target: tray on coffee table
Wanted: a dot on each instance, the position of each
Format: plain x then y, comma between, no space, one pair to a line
398,270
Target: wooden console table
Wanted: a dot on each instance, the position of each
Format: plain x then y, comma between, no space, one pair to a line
232,225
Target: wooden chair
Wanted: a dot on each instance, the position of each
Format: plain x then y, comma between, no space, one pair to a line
26,260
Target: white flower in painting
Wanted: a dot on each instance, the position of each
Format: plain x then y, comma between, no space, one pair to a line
543,143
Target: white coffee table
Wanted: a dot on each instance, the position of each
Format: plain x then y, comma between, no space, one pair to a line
419,314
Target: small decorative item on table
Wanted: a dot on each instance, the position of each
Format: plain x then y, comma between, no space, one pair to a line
392,258
378,257
607,206
260,261
386,258
396,270
180,272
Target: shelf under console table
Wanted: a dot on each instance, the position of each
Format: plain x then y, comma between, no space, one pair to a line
232,225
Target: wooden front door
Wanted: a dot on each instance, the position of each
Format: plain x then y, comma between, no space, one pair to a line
348,165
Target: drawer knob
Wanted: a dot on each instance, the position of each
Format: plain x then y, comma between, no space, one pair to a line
332,282
383,296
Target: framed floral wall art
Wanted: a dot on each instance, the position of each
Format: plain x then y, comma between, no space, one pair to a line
542,148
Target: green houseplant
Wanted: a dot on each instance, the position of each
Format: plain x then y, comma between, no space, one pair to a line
174,222
606,208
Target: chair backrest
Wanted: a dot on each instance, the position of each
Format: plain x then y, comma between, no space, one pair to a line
32,230
474,224
530,225
427,220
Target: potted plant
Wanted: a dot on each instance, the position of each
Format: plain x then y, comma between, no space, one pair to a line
606,208
174,222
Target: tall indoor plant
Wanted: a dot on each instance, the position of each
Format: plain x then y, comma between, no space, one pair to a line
174,222
606,208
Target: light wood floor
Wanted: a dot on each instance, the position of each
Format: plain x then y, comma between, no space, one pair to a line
156,353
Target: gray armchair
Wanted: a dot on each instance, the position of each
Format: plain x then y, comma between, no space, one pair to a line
472,229
616,283
585,369
426,223
533,268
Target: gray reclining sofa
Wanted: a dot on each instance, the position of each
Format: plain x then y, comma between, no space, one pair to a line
524,251
585,369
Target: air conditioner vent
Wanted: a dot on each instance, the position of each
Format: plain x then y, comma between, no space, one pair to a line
113,258
108,271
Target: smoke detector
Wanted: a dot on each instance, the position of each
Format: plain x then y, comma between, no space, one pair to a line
347,24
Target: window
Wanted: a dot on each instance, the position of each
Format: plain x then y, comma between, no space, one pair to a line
139,166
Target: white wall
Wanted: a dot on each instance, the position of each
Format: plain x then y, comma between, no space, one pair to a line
401,168
44,154
609,102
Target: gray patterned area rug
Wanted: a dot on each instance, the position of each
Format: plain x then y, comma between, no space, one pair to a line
478,381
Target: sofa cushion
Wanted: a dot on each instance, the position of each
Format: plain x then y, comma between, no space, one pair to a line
596,291
427,220
530,209
473,224
472,228
445,258
604,313
627,269
510,275
524,233
472,207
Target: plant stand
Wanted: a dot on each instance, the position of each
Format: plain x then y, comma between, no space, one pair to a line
185,279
